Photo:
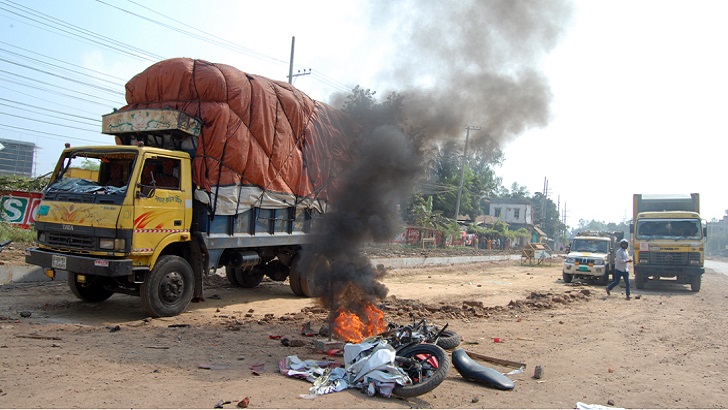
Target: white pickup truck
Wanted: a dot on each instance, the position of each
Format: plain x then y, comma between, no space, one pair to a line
591,256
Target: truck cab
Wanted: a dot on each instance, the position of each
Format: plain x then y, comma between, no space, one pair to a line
668,239
109,231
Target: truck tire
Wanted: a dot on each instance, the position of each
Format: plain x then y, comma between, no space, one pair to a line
567,277
695,282
92,290
640,279
230,274
245,278
294,278
167,290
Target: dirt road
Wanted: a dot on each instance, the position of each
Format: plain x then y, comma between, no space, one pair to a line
663,349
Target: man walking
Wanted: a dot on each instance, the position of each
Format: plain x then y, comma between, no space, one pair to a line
621,267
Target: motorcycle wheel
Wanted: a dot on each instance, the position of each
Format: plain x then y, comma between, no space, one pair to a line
426,365
449,340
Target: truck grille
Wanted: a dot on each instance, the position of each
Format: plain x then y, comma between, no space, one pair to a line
670,258
68,240
584,261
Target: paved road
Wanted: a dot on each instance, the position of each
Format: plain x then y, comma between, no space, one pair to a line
718,266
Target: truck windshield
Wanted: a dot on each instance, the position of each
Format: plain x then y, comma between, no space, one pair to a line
669,229
588,245
92,172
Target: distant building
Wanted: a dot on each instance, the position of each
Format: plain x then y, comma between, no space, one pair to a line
512,211
17,158
718,227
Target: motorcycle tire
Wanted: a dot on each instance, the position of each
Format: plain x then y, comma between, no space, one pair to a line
426,365
449,340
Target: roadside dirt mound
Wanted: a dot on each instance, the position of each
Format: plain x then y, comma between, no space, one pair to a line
14,254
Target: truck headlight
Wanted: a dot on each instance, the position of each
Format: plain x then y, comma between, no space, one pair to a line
112,244
569,260
599,261
106,243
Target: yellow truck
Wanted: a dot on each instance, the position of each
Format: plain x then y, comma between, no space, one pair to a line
213,168
668,239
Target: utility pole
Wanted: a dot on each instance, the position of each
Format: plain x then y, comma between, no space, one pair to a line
462,169
543,201
290,66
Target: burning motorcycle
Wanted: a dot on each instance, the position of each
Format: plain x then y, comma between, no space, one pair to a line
420,355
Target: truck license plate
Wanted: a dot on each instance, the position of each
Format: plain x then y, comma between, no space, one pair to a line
59,262
583,268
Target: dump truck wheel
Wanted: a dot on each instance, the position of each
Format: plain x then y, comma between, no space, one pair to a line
92,290
640,280
695,282
567,277
167,290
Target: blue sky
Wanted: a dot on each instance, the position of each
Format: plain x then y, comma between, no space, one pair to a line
637,87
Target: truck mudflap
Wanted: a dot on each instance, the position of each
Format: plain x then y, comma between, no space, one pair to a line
90,265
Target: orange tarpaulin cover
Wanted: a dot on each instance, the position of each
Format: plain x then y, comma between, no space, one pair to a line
256,131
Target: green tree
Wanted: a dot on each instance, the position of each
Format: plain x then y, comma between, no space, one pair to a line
479,179
594,225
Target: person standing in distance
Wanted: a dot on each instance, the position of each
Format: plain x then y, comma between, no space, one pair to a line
621,267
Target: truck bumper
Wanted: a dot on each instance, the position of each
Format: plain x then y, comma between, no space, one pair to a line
89,265
667,271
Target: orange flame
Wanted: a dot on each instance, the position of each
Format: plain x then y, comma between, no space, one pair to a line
353,327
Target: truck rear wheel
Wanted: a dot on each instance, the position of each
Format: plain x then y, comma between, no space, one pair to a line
567,277
246,278
230,274
167,290
92,290
294,278
695,283
302,280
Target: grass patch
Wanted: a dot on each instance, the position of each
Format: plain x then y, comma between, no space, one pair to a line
15,234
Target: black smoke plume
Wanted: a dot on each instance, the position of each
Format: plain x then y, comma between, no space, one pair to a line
456,64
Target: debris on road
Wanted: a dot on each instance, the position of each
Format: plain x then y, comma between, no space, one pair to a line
538,372
210,366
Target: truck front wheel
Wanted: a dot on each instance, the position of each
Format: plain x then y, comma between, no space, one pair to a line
91,290
640,279
695,283
567,277
168,288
